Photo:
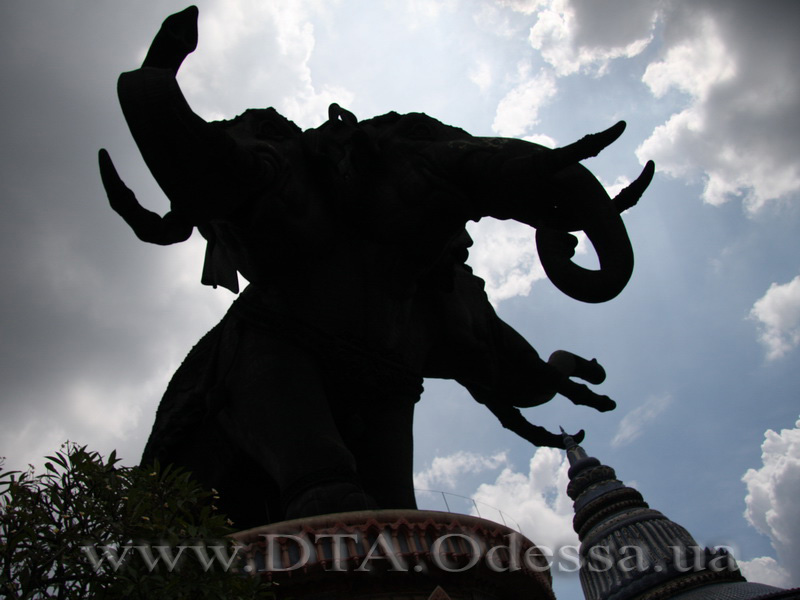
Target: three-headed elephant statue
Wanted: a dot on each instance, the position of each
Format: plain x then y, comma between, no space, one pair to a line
352,238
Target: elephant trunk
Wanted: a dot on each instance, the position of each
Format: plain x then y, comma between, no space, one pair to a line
549,190
204,172
614,253
608,235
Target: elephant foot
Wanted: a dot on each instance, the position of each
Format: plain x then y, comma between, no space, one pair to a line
589,370
581,395
572,365
327,498
602,403
595,401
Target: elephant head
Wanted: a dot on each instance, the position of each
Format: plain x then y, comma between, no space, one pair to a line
443,176
513,179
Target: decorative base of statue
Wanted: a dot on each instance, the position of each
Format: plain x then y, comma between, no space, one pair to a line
394,554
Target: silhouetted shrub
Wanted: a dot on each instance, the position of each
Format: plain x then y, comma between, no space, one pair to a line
89,528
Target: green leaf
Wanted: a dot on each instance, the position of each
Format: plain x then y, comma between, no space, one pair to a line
58,459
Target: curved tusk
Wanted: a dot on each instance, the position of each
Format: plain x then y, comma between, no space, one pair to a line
629,196
586,147
539,161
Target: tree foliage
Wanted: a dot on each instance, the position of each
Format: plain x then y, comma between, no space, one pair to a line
88,527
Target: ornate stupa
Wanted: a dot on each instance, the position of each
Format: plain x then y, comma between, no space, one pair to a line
632,552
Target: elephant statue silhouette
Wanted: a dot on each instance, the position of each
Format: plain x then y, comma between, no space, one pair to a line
352,238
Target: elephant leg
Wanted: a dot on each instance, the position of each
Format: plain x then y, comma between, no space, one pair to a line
384,452
279,414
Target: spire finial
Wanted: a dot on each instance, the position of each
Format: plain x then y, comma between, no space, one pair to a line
575,453
569,441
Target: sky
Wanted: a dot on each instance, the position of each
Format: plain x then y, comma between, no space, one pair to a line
701,348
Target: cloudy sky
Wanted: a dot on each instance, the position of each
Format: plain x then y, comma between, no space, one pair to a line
701,349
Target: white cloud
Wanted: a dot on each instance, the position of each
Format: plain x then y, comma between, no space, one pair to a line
577,36
694,66
633,423
504,255
422,11
257,54
523,6
519,109
537,500
773,509
309,108
621,182
542,139
778,315
445,470
764,569
481,74
737,129
492,18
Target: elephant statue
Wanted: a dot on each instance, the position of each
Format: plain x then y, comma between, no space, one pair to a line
352,238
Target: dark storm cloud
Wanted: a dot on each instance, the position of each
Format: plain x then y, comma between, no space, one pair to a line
738,61
613,22
78,289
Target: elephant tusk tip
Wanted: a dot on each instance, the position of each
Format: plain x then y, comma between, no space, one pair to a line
598,141
104,158
629,196
616,130
646,175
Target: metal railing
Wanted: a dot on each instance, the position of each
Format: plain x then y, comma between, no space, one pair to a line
434,499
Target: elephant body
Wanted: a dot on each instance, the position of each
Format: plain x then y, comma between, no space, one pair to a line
352,237
242,415
268,409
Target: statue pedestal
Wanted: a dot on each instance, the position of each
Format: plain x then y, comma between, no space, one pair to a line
396,555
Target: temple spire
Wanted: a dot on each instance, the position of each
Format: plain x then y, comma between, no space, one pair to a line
630,551
578,459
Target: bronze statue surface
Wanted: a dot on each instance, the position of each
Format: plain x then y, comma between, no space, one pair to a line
352,238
